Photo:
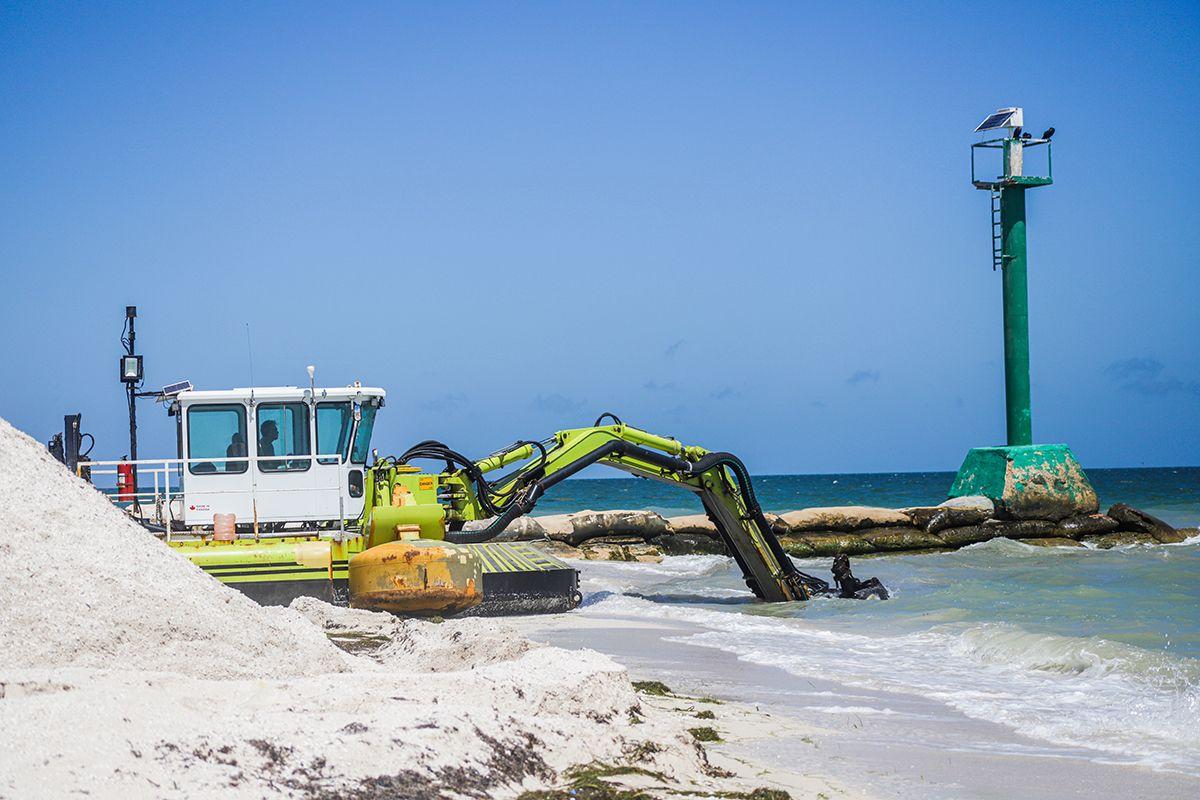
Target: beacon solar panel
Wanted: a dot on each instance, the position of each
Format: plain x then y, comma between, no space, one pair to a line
1001,119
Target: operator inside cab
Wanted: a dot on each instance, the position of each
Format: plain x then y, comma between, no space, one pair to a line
268,434
236,449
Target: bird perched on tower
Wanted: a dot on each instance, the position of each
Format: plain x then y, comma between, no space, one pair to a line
1048,133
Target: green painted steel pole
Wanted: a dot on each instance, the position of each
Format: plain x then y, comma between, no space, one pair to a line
1016,316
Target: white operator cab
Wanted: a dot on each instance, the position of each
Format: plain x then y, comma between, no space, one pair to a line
274,455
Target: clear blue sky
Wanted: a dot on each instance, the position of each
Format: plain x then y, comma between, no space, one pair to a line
746,225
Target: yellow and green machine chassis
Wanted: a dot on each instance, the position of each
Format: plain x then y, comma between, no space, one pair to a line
518,577
402,502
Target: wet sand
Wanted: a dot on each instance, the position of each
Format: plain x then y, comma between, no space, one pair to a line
876,743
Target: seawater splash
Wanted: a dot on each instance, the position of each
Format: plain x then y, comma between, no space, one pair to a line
1083,648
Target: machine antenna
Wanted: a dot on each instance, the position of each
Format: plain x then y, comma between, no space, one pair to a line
250,358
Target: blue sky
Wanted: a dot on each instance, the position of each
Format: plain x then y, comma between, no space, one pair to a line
746,225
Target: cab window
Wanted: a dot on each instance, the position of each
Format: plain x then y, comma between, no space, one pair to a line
333,431
216,433
282,431
362,437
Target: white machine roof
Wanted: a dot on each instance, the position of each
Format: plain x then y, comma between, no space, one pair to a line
267,394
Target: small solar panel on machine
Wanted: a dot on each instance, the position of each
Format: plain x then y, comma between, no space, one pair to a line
996,120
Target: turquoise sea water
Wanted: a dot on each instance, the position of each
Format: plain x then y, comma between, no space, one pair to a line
1097,650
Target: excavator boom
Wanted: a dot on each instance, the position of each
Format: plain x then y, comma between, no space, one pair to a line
719,479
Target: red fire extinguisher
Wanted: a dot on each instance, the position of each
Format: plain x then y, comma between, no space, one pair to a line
125,487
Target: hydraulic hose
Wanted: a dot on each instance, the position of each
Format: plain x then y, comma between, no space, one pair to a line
524,501
494,528
438,451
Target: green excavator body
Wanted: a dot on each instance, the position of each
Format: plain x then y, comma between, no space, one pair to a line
403,504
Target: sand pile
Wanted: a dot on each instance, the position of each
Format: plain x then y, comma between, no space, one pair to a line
126,672
82,585
489,731
415,645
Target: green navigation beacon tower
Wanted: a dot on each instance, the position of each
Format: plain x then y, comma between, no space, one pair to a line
1027,481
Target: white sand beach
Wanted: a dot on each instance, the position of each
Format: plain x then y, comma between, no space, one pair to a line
125,672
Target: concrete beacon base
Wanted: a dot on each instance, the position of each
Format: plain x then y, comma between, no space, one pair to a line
1036,481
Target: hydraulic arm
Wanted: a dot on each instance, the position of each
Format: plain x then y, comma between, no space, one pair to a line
719,479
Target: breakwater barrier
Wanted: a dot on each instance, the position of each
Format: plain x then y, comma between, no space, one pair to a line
853,530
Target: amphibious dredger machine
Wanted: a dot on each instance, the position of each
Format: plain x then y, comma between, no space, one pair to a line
275,491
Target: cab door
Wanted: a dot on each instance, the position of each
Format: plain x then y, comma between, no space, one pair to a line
334,479
285,479
217,473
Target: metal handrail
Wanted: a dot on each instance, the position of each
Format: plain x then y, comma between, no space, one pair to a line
337,456
998,144
164,467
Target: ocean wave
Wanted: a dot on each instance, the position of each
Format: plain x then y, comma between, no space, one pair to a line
669,567
1006,644
1011,548
851,710
638,577
1099,695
